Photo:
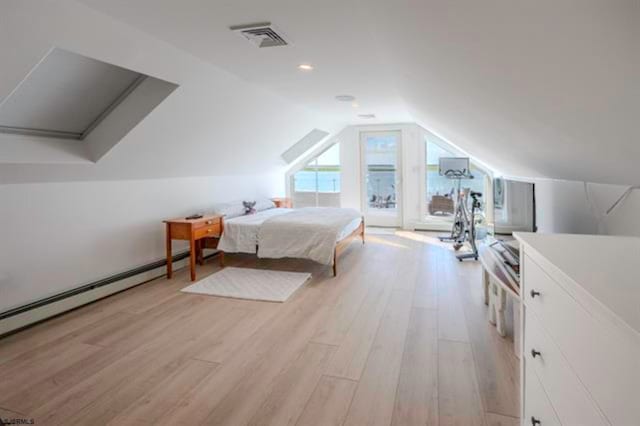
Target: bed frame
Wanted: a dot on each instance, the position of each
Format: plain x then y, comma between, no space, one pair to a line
343,243
212,243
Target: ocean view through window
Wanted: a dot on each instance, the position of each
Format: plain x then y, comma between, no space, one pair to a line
441,191
318,183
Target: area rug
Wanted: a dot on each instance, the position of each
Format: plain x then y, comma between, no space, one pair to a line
252,284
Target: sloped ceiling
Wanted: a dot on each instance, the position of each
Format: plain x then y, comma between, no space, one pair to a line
215,123
549,88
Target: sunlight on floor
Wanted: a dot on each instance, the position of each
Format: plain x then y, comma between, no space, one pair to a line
386,242
427,237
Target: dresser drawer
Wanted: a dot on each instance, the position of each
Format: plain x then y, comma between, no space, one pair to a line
536,404
568,396
606,360
208,231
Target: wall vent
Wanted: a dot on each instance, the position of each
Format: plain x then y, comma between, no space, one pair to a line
262,34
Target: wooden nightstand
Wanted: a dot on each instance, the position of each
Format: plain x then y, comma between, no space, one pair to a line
197,232
282,202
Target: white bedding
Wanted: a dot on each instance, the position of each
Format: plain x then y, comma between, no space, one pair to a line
240,233
309,233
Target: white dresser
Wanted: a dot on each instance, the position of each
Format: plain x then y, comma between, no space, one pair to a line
580,324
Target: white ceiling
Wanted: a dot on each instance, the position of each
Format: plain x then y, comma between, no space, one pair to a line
549,88
546,88
332,35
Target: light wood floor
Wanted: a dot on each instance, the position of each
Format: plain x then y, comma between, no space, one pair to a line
400,337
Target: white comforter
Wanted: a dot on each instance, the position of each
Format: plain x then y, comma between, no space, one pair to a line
308,233
241,233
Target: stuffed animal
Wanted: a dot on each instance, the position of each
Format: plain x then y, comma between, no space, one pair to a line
249,207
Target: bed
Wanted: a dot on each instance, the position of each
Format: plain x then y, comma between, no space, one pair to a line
316,233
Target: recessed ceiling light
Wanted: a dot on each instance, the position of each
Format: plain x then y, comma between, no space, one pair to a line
367,116
355,105
305,67
345,98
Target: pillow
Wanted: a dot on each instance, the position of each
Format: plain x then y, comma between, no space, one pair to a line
249,207
264,204
229,210
236,208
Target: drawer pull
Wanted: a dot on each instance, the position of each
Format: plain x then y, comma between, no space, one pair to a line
209,222
534,293
534,421
209,230
535,353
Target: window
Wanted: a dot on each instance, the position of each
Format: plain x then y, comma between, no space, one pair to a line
440,193
318,183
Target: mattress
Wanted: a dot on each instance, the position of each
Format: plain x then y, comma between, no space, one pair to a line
240,233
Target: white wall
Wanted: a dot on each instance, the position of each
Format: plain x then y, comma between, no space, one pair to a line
624,219
562,207
567,207
107,218
59,236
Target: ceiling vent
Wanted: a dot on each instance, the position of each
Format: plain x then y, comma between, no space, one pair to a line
262,34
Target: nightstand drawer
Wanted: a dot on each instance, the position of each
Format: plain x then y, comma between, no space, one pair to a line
208,231
207,223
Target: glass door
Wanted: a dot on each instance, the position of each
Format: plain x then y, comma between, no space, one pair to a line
381,177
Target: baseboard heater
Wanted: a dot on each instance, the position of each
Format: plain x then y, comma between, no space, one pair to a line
23,316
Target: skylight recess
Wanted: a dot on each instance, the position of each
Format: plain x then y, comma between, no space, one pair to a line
66,95
303,145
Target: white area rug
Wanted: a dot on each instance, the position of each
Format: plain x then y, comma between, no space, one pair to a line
253,284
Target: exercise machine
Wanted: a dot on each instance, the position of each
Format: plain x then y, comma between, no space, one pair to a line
470,232
463,229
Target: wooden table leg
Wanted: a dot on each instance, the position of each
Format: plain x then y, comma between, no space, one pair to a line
221,259
192,258
169,254
199,244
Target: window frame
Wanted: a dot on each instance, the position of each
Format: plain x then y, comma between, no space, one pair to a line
424,222
307,163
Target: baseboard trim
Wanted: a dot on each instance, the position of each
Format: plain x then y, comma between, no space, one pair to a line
27,315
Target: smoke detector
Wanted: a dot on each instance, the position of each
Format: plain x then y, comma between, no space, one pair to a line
262,34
